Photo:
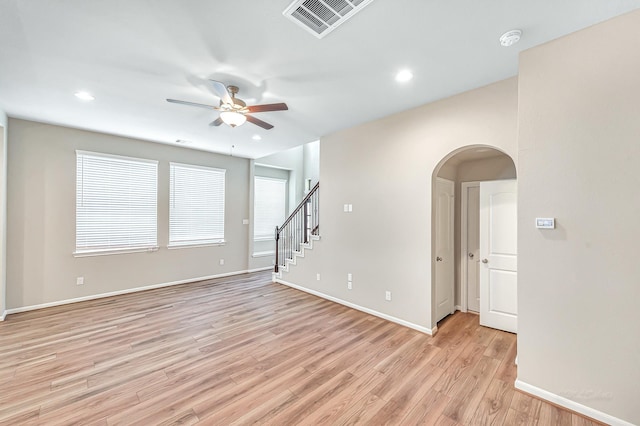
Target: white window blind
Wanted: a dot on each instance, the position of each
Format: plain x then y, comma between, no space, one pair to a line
270,203
196,212
116,203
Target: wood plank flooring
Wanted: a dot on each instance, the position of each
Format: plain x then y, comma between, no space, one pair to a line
242,350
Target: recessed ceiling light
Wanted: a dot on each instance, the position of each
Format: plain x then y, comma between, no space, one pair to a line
256,137
510,38
85,96
403,76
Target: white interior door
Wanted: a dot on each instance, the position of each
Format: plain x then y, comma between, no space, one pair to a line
444,264
472,254
498,251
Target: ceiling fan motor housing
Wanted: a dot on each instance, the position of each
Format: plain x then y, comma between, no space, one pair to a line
233,90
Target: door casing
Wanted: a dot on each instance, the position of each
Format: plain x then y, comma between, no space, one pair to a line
464,249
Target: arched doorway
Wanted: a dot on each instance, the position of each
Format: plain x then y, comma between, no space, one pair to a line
455,242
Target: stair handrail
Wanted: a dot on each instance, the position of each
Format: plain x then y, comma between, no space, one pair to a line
300,206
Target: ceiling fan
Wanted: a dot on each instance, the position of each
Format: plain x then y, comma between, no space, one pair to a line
234,111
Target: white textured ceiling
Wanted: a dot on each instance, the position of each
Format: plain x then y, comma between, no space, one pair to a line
132,54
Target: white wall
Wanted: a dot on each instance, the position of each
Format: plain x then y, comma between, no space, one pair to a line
41,218
384,168
579,285
3,212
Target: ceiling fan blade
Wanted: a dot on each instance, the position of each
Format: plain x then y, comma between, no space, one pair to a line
259,122
218,121
268,107
175,101
221,91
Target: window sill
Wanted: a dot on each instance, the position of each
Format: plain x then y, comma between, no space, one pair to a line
272,238
196,245
263,254
110,252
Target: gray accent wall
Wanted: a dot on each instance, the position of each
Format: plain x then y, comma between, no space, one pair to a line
41,234
579,285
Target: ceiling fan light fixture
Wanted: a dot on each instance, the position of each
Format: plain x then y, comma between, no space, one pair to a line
233,118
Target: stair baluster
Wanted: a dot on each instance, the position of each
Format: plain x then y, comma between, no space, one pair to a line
298,228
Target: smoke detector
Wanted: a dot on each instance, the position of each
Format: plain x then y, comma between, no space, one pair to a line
510,38
320,17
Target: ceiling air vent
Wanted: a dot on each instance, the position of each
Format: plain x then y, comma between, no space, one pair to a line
320,17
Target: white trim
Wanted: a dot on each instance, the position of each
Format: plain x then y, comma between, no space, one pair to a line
569,404
417,327
269,166
175,246
3,316
464,285
115,156
458,308
264,268
264,253
128,290
109,252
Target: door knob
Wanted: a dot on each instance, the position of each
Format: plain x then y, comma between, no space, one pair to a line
470,255
485,261
439,259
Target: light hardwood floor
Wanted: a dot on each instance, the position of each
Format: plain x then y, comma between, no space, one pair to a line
242,350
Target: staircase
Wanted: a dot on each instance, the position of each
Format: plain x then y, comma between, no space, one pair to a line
298,232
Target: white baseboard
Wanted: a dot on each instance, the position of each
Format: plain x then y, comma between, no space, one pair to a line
126,291
250,271
411,325
569,404
3,316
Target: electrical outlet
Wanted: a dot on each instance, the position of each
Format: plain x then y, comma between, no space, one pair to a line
349,277
349,285
318,277
221,261
387,296
80,281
